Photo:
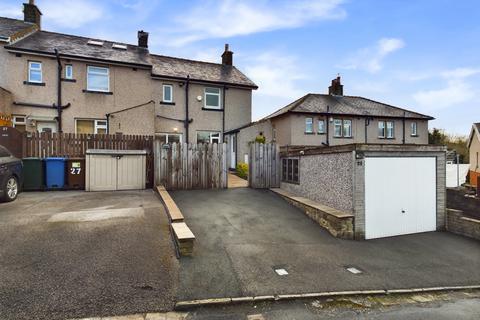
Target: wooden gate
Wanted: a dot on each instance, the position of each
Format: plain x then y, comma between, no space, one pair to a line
182,166
11,139
264,166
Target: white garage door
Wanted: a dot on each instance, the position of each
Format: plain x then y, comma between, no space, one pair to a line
400,196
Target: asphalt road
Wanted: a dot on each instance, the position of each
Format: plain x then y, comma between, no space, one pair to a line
78,254
243,234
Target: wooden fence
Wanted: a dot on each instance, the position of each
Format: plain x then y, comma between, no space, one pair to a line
71,145
264,166
190,166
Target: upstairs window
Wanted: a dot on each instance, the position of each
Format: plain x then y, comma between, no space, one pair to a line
386,129
321,126
308,125
35,72
98,79
167,93
68,71
342,128
347,128
337,128
413,127
212,98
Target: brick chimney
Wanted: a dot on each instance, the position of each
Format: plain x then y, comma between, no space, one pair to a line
336,88
227,56
31,13
143,39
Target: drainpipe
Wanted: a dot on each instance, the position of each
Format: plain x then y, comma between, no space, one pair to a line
108,123
59,91
223,113
327,143
367,123
187,121
403,120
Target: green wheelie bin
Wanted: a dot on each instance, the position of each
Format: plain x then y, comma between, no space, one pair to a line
33,174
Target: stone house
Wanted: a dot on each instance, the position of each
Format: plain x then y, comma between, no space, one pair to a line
66,83
474,151
333,119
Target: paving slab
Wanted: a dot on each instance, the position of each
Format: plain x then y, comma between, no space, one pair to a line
243,235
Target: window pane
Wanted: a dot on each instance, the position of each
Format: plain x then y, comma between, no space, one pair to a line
35,65
390,133
321,126
174,138
381,129
212,90
167,93
212,100
290,170
203,137
295,170
414,128
97,82
35,76
284,169
308,125
337,127
347,128
162,138
101,130
68,72
85,126
98,70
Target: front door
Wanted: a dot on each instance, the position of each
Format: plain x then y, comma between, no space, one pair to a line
233,147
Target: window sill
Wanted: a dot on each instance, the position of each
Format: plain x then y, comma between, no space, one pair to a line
97,92
308,132
28,83
336,137
69,80
291,182
320,132
384,138
167,103
414,135
212,109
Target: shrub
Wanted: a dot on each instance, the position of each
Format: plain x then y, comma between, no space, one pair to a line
242,170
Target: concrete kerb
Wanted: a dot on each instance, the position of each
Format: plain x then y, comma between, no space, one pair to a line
186,305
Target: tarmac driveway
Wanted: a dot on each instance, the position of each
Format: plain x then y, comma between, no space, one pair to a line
78,254
242,235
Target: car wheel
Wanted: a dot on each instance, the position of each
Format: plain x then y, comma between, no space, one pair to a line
11,189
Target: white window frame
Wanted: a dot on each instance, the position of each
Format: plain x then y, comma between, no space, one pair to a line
20,123
168,134
96,126
219,95
336,123
321,126
163,93
350,133
388,135
98,73
69,75
35,69
414,129
308,125
212,135
382,126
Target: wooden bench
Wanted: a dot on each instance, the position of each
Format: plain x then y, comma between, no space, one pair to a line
172,209
337,222
184,238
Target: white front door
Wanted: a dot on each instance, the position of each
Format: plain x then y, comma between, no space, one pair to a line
400,196
46,126
233,146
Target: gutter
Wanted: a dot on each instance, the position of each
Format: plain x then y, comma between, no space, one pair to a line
244,86
360,115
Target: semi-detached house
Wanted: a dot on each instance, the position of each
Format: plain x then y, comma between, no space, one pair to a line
64,83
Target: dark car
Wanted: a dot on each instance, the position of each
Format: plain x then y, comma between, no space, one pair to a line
11,175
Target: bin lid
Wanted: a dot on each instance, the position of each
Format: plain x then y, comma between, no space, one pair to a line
115,152
32,159
54,159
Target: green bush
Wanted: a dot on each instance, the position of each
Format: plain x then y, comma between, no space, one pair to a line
242,170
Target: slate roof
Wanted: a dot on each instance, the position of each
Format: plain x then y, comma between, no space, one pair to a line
75,46
9,27
215,72
348,105
78,47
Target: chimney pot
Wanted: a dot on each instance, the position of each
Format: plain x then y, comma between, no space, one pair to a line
336,88
143,39
227,56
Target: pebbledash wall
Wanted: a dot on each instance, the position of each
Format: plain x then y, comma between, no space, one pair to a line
333,176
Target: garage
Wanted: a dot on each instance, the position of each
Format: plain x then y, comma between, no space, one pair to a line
110,170
386,190
400,196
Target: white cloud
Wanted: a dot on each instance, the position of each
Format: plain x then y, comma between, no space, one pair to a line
230,18
371,58
11,11
457,90
276,75
71,14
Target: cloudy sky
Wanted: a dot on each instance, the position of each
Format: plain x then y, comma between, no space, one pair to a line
422,55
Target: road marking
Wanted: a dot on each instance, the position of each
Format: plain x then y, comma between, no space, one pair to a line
354,270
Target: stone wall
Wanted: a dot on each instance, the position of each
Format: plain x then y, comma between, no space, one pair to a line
326,178
466,202
458,223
